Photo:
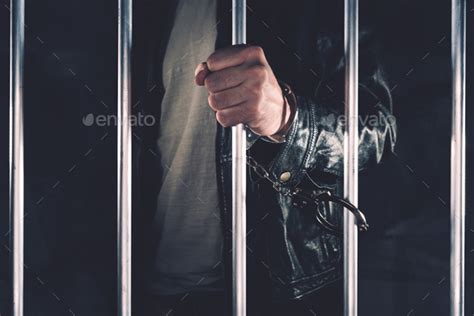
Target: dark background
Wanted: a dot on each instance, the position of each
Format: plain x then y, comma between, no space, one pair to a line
70,168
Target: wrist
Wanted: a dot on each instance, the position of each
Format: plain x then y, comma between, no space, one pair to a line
288,115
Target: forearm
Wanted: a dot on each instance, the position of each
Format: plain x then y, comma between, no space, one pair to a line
326,131
315,140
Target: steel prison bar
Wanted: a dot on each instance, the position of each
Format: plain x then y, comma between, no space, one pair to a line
351,157
16,159
239,179
124,159
458,156
16,162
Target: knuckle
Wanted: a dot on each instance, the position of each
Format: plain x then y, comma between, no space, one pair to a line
210,82
223,119
212,101
259,84
226,80
259,110
212,61
256,51
259,72
252,116
263,73
219,100
255,92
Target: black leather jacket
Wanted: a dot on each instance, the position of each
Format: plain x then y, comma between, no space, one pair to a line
288,250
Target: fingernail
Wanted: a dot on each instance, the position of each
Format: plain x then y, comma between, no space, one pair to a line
200,68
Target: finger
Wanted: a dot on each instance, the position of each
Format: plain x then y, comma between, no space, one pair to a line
200,74
226,78
235,76
234,115
228,98
234,56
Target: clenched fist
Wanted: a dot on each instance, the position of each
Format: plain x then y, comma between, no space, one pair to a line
243,89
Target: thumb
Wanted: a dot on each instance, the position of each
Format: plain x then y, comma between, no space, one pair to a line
201,72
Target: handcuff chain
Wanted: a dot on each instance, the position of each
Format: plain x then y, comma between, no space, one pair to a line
262,172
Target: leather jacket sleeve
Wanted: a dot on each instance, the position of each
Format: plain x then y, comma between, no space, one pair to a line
316,138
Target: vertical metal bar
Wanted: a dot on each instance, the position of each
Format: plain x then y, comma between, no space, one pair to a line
16,162
458,155
239,180
351,148
124,159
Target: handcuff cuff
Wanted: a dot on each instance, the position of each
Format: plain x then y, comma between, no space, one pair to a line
290,100
303,200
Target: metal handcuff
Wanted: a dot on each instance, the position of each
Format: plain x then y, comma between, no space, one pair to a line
310,200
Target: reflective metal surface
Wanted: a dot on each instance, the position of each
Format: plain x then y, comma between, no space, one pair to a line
16,167
124,159
351,161
458,155
239,179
